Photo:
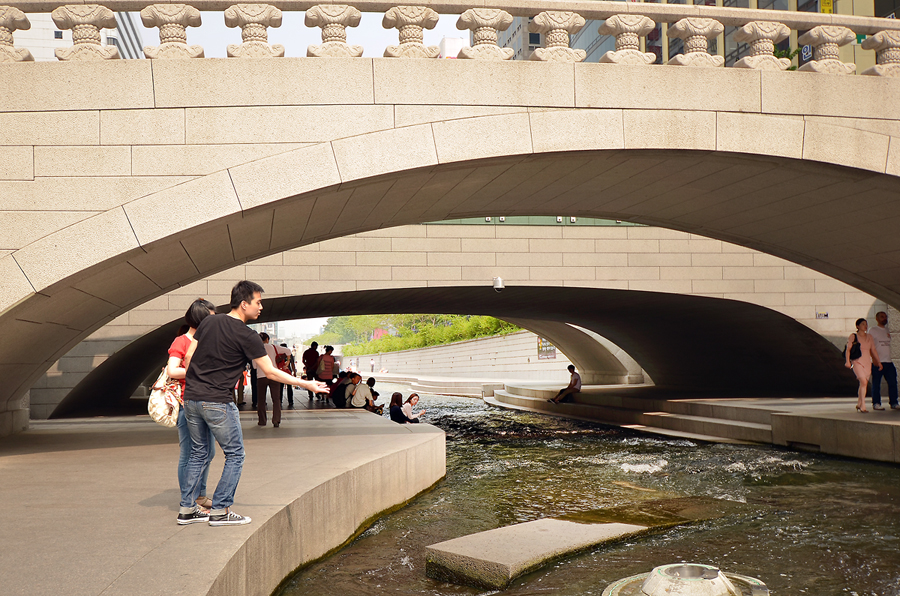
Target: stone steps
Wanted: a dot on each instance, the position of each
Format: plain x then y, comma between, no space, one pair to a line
684,417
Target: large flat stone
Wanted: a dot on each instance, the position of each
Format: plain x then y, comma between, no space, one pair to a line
494,558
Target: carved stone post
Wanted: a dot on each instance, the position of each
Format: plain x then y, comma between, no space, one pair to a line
253,19
826,41
557,25
334,20
12,19
762,37
484,24
696,33
628,29
172,20
410,21
887,53
85,21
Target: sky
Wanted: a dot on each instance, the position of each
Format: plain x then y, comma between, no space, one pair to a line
295,36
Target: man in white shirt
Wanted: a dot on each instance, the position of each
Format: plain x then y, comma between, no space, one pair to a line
274,387
360,394
883,346
571,389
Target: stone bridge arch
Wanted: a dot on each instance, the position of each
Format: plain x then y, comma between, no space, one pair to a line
770,161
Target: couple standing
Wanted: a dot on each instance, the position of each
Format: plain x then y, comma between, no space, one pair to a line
220,349
868,354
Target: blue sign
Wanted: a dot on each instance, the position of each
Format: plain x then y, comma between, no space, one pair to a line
806,53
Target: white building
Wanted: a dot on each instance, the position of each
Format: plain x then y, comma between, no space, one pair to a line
450,46
44,37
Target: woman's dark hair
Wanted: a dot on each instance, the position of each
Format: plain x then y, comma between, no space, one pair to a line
370,381
396,399
858,321
197,311
411,395
243,292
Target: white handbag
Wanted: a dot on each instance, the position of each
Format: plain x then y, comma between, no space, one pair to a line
164,403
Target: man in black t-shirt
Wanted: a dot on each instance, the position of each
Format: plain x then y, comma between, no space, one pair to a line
221,348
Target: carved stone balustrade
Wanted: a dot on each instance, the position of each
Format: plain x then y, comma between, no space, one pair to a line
484,24
12,19
628,29
334,20
172,20
85,21
556,26
696,33
762,37
826,41
411,22
887,53
254,20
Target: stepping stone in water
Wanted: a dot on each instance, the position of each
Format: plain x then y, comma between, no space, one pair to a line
493,559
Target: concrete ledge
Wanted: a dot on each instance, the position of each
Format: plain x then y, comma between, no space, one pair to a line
309,486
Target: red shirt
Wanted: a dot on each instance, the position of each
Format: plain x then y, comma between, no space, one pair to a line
179,349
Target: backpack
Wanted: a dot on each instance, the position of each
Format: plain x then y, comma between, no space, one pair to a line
283,362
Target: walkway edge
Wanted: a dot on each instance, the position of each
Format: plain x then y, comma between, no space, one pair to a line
340,509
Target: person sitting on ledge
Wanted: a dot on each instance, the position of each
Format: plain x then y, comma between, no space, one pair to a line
408,406
397,414
571,389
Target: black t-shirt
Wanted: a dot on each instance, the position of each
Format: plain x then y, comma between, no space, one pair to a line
224,346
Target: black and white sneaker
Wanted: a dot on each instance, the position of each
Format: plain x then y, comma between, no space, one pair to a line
193,517
228,519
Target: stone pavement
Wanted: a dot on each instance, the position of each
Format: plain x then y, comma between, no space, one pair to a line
91,503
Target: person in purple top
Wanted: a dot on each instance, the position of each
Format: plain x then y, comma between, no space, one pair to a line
221,348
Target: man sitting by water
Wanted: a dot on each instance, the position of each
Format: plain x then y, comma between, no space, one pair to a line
571,389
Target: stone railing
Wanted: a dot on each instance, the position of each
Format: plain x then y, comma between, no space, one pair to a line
557,20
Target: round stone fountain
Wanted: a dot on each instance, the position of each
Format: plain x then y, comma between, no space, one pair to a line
687,579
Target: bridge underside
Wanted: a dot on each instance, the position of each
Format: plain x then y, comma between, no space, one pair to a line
776,162
689,345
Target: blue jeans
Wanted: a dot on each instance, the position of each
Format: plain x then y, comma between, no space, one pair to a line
223,421
184,443
889,372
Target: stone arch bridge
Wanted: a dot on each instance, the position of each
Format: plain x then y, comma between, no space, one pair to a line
124,180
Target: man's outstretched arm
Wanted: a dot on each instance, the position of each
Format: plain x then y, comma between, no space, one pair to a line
264,363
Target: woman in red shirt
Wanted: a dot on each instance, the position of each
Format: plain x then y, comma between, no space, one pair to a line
198,310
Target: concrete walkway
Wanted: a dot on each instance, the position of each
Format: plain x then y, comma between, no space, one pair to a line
91,503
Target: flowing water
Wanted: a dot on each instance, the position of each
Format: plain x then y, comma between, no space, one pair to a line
811,524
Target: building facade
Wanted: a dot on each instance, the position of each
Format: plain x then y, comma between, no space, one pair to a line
44,37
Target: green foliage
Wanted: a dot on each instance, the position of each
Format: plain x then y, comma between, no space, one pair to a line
407,332
789,54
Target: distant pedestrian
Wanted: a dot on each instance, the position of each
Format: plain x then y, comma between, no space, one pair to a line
220,349
325,370
310,360
290,368
371,365
859,356
265,381
574,386
882,338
